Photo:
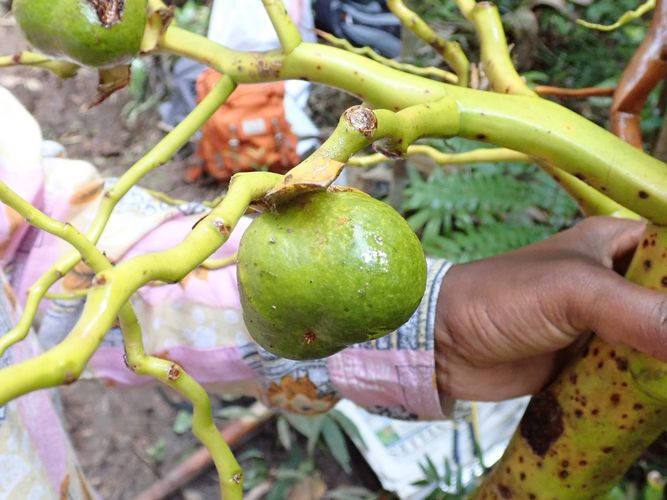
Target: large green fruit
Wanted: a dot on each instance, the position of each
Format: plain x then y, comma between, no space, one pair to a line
328,270
99,33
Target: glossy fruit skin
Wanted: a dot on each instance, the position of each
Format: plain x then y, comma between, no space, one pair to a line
71,29
329,270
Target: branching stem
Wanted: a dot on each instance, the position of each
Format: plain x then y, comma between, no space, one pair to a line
450,51
62,69
288,33
159,155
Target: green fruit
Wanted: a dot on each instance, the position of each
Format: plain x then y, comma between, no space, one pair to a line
328,270
99,33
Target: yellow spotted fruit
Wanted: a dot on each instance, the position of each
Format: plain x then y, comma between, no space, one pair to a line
98,33
327,270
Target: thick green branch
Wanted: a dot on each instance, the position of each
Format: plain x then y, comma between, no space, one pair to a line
526,124
505,79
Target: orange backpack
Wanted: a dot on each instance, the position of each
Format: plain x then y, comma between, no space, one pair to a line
249,132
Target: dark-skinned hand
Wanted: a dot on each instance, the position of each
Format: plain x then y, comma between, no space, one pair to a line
506,324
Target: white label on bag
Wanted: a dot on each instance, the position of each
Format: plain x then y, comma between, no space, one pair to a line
255,126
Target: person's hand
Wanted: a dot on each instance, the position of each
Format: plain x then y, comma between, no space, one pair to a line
505,324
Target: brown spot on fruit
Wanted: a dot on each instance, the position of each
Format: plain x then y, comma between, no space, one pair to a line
615,398
647,264
638,406
663,281
622,364
542,424
563,474
607,449
480,137
573,378
642,194
505,491
309,337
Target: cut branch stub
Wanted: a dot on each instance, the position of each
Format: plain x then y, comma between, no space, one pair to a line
157,22
362,119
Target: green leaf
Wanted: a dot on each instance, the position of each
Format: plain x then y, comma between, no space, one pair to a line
348,426
284,434
157,450
182,422
309,427
335,441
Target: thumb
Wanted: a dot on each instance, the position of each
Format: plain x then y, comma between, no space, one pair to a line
622,312
609,239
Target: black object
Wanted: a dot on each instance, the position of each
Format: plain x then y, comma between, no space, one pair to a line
362,22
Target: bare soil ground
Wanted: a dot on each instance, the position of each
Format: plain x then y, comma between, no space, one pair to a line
113,430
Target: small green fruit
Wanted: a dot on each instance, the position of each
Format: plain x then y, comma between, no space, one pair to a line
328,270
98,33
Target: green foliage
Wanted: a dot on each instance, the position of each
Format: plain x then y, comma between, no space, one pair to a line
193,16
327,430
158,450
447,485
485,209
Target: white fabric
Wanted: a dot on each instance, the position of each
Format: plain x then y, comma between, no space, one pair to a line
245,25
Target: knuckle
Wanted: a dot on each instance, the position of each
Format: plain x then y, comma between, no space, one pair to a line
653,330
